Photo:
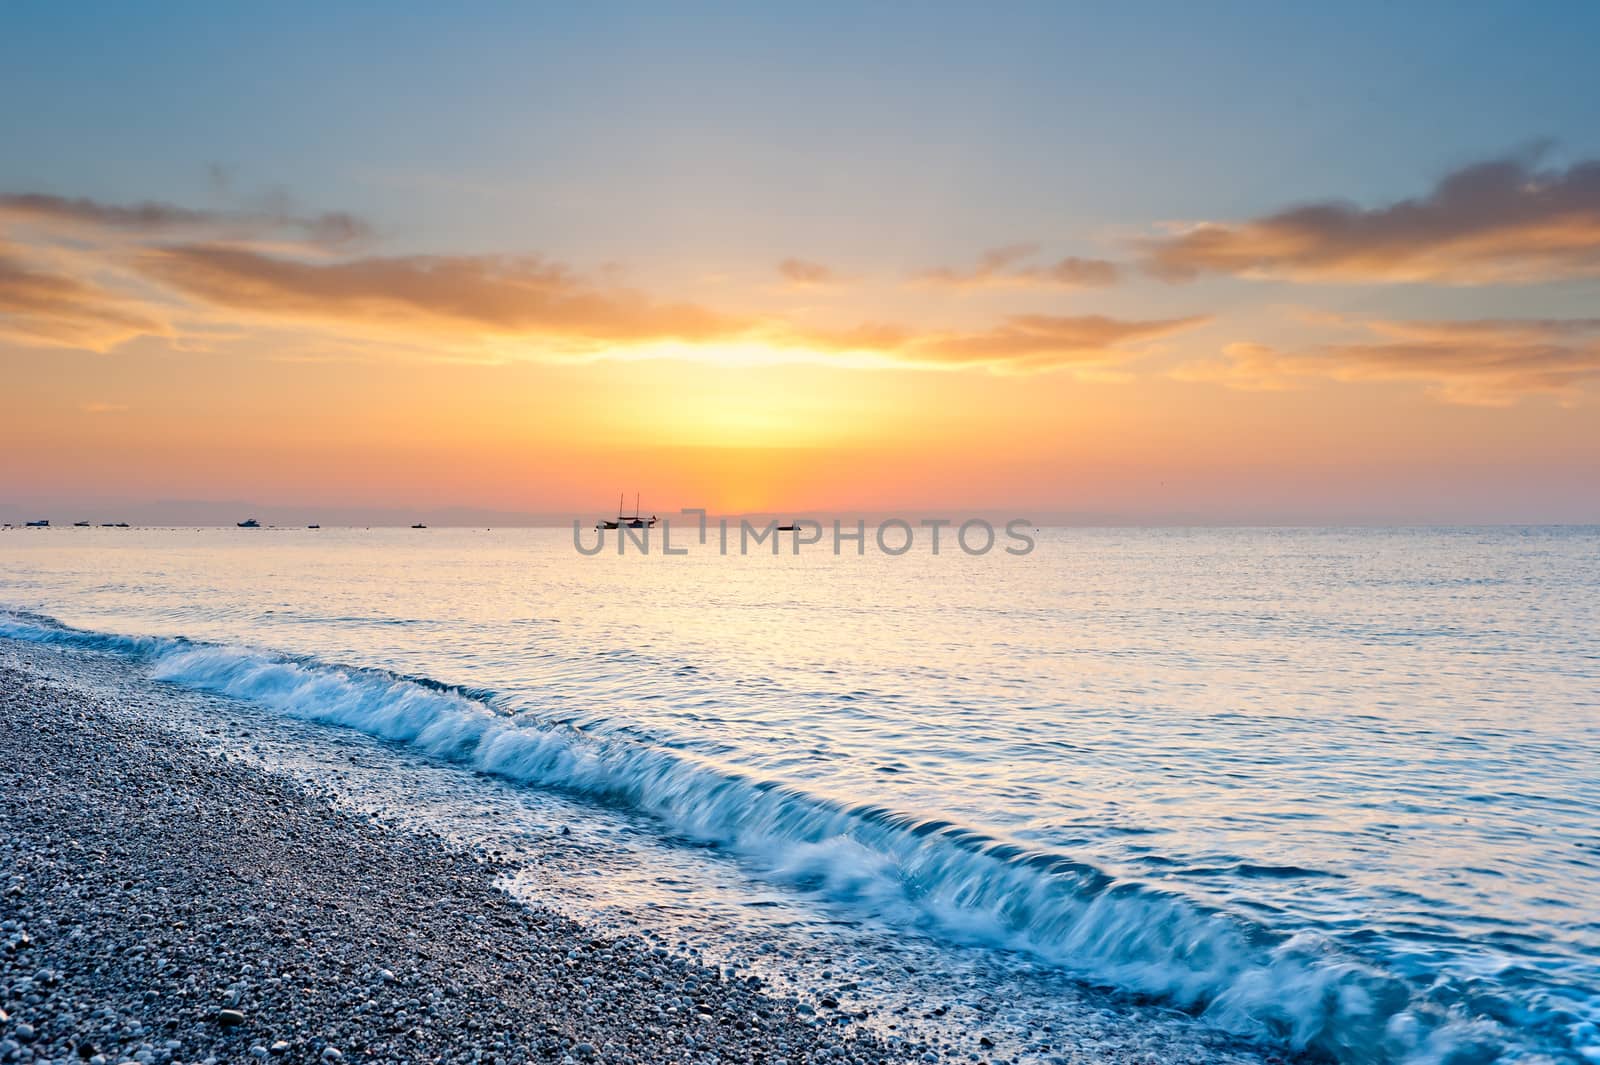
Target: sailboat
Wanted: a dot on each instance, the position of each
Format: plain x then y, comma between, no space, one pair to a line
628,521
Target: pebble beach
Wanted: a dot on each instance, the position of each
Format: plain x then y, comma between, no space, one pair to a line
161,903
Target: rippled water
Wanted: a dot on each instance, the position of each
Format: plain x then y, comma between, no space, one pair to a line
1335,790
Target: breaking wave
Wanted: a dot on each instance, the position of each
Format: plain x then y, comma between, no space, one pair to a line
933,875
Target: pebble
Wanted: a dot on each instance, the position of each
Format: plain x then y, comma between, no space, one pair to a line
160,896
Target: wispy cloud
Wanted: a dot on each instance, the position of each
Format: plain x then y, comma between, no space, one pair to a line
532,299
1248,367
329,229
803,273
466,295
1504,221
41,305
459,304
1488,362
1087,345
1037,342
1008,267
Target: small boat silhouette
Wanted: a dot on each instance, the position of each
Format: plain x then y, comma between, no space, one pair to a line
249,523
628,521
419,525
313,526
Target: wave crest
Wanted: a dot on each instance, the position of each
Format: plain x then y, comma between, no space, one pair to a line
932,875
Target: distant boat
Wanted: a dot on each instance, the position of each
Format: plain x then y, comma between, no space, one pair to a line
419,525
120,525
627,521
249,523
313,526
42,523
786,528
80,524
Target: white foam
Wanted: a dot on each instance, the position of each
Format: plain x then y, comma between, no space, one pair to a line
933,876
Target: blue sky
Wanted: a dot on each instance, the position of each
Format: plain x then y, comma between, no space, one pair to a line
850,131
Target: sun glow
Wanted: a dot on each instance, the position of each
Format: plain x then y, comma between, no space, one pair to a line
746,354
730,398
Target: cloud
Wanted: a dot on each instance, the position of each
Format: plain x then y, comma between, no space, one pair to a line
40,306
330,229
1485,362
805,274
1006,268
1245,366
1499,222
463,295
529,298
461,306
1039,342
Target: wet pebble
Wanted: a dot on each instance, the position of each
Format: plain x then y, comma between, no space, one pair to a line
160,900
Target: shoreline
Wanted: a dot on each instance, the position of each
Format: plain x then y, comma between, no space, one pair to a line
162,903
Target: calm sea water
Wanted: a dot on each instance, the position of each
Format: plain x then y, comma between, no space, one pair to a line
1332,790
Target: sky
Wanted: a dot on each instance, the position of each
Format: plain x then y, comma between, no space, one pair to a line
1153,263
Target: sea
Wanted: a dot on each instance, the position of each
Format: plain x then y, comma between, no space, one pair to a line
1135,794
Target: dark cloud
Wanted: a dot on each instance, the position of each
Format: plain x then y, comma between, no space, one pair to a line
1503,221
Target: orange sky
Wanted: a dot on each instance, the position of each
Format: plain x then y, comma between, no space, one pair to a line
947,290
147,422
